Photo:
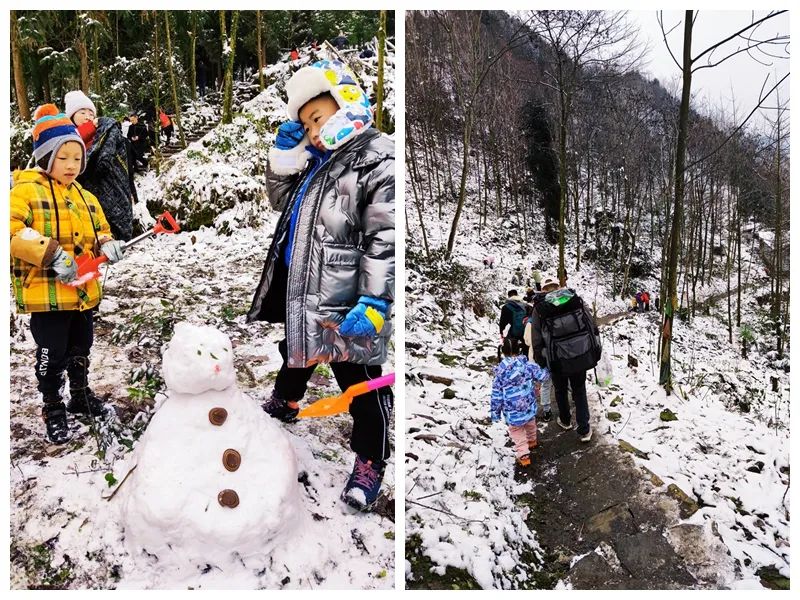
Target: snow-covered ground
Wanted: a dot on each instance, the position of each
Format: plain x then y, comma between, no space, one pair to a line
728,448
64,532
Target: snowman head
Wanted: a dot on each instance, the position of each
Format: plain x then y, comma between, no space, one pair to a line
198,358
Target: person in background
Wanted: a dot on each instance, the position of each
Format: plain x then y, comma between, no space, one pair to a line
107,173
167,128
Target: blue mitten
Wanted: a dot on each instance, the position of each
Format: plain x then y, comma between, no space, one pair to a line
366,318
290,134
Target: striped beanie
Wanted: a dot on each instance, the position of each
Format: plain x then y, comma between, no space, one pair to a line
51,131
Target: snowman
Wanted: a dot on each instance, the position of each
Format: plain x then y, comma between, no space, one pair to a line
215,480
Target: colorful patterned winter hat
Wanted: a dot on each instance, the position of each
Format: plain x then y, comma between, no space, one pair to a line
354,115
51,131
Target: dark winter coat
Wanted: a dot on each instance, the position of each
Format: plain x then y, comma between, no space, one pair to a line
545,310
142,143
108,178
507,313
343,249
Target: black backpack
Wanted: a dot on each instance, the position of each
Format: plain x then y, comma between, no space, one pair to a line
571,340
518,315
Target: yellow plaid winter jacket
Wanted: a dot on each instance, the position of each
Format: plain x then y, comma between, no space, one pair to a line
45,215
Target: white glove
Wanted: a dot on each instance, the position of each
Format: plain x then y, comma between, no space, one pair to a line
289,162
64,266
113,250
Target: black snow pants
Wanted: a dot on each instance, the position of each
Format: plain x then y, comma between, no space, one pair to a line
63,341
370,412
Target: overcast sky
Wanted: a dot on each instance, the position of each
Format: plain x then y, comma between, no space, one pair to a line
741,76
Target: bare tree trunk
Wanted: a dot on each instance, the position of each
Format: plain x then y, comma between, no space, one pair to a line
83,55
467,134
739,260
96,59
728,269
562,180
229,47
260,51
665,374
156,99
20,88
171,70
193,57
776,304
577,218
381,58
411,154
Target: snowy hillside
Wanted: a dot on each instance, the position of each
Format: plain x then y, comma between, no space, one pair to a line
720,468
65,532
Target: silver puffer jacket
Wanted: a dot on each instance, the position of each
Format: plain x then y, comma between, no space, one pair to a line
343,248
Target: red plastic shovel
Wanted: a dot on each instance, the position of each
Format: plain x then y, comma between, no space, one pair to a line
89,268
333,405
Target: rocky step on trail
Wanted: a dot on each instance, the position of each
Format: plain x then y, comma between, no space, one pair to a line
605,523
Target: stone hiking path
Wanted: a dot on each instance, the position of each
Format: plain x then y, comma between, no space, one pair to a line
605,522
602,521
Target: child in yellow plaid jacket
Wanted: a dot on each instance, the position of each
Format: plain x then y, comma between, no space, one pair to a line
53,220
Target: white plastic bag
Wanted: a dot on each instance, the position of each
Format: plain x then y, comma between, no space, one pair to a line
604,370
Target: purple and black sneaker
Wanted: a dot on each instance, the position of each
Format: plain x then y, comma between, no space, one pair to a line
364,486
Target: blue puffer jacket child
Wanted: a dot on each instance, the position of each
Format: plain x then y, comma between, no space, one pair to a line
513,391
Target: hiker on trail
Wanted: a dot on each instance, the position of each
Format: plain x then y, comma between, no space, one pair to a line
658,303
513,397
537,280
53,220
639,303
566,340
140,141
294,54
546,386
340,41
108,173
201,77
329,271
646,301
512,319
167,128
518,278
488,261
529,295
632,307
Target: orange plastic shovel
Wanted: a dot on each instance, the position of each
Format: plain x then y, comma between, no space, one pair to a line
333,405
89,268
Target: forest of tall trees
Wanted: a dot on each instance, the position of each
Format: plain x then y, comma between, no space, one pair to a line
116,55
549,116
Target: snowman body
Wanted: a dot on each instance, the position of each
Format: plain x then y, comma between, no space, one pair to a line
215,477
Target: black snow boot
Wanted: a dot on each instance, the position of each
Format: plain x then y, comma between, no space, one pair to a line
83,400
278,408
55,419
